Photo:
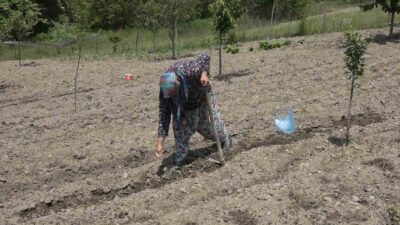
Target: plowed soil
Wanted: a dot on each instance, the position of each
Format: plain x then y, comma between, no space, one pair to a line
98,165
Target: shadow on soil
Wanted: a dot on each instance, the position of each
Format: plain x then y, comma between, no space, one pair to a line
243,217
383,39
229,76
362,120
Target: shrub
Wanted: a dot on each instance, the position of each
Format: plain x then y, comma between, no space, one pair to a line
233,49
266,45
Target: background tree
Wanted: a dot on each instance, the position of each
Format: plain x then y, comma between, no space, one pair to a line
4,26
19,18
113,15
175,12
152,14
292,9
81,18
355,46
390,6
51,11
226,13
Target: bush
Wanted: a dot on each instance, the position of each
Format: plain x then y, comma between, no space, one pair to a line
59,32
233,49
266,45
231,38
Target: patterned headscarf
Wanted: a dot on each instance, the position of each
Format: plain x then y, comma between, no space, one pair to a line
204,61
169,84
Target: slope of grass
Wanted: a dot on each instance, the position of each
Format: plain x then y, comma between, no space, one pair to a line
199,34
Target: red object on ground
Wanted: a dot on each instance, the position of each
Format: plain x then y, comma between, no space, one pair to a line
128,76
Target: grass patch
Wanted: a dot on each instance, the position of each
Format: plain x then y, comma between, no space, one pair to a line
199,35
266,45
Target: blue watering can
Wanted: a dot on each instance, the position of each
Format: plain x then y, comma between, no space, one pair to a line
286,123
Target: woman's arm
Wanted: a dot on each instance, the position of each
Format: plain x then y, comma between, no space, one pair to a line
164,119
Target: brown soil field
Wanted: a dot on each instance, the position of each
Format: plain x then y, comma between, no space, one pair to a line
98,166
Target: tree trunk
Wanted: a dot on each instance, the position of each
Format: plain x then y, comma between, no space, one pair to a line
324,19
15,52
391,24
349,111
174,39
19,48
154,40
115,47
137,39
220,55
19,52
273,13
97,44
76,76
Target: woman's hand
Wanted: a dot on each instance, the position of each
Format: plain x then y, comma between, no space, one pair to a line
160,148
204,79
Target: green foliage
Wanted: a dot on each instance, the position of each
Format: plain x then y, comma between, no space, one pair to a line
292,9
59,32
18,18
231,38
233,49
266,45
390,6
198,34
152,15
176,11
355,46
302,27
116,14
115,39
394,214
226,13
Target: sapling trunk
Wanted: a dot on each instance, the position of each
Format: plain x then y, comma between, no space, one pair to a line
220,55
15,52
97,44
349,110
272,13
19,52
137,39
19,48
391,24
154,40
76,75
174,38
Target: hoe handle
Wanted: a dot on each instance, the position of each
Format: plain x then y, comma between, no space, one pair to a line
214,128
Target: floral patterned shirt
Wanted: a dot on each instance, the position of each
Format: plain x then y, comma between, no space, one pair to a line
191,72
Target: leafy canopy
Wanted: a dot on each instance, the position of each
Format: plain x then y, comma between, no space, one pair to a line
356,46
18,17
226,12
